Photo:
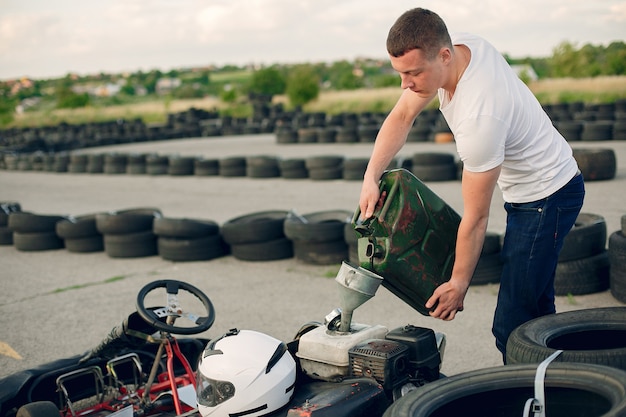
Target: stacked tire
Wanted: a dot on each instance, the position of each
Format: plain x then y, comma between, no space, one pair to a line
434,166
129,233
35,232
617,259
182,240
6,208
319,238
583,266
325,167
489,267
596,164
80,234
258,236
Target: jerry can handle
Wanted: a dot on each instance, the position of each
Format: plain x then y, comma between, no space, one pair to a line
362,226
388,199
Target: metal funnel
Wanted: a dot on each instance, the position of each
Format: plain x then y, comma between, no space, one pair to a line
356,286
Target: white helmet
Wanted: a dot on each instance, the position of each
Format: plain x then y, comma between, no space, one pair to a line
244,373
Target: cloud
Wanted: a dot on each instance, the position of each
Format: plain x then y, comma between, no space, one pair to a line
53,38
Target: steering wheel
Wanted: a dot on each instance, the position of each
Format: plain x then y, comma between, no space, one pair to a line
174,310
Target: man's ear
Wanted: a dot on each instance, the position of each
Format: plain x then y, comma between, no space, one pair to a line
445,54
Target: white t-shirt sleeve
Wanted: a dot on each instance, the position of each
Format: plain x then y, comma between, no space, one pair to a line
481,142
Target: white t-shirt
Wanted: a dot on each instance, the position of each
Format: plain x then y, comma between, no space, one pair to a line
496,120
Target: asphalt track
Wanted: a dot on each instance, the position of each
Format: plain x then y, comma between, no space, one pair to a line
56,303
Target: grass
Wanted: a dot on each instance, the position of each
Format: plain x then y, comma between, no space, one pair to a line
379,100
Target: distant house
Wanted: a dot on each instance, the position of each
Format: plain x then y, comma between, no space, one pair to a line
165,85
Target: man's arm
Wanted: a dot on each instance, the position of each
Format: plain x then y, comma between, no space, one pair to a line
390,139
477,189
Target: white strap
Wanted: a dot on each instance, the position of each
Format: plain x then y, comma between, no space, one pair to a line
537,405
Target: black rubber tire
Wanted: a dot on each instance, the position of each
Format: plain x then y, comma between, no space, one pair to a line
6,236
38,409
323,162
488,270
77,227
599,130
492,243
37,241
126,221
307,135
25,222
255,227
432,158
587,238
131,245
181,165
6,208
572,389
324,174
270,250
439,172
206,167
595,336
286,135
321,253
596,164
354,168
184,228
86,244
201,248
262,171
583,276
617,259
293,168
320,226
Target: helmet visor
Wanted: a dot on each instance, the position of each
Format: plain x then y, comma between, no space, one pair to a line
211,392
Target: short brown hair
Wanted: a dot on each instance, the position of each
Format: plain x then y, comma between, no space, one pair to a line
418,29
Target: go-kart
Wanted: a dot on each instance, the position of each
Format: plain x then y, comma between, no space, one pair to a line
340,368
140,368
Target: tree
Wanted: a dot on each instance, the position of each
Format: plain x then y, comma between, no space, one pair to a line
303,85
268,81
343,77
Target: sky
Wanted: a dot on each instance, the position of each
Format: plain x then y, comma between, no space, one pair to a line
51,38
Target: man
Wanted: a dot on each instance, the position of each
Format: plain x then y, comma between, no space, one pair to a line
503,137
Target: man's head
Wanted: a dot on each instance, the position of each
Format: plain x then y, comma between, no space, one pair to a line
418,29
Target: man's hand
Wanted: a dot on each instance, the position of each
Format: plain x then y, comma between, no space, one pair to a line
447,300
370,198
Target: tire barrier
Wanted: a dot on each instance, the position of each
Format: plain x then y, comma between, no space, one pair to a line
6,208
576,121
489,267
321,238
596,164
617,260
434,166
128,233
183,240
583,265
258,236
572,389
80,234
34,232
318,238
593,336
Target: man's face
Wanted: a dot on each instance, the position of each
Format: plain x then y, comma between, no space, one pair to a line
418,74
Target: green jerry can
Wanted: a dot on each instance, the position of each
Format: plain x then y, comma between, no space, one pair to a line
410,240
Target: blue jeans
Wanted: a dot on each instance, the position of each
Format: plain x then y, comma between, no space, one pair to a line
530,251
